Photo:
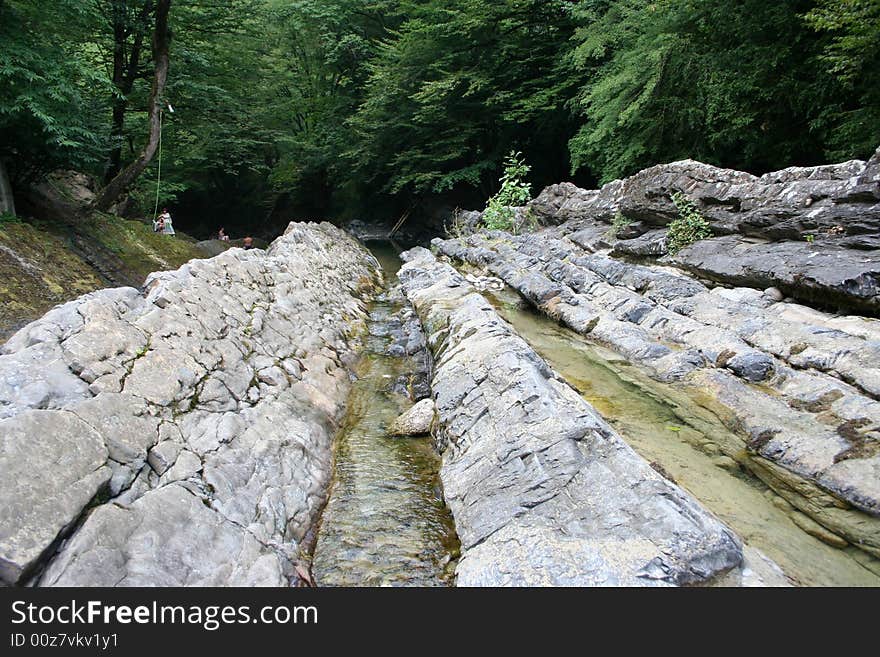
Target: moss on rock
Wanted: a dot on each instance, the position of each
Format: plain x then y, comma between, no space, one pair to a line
44,263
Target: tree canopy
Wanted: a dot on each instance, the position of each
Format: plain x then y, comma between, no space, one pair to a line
361,108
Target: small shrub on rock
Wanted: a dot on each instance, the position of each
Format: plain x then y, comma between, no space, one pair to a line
515,192
617,224
690,226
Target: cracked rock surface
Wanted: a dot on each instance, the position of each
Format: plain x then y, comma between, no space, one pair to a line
180,435
543,491
813,232
799,386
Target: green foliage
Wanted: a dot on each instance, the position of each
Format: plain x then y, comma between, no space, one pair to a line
690,226
515,192
346,107
454,85
320,60
143,194
738,84
220,144
855,35
852,56
51,92
618,223
8,218
809,237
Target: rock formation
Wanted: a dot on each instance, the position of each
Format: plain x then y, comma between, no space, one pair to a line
181,435
799,386
813,232
543,491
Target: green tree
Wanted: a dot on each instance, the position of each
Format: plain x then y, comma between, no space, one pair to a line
853,56
218,145
320,57
739,84
455,86
52,98
127,55
341,107
122,181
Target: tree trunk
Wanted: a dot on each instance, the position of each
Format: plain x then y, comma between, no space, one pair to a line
114,165
119,37
123,180
6,201
125,72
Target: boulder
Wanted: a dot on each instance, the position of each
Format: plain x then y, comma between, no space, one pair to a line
825,274
811,232
416,421
167,537
213,247
839,199
54,465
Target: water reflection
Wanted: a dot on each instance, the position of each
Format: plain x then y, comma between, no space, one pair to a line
680,438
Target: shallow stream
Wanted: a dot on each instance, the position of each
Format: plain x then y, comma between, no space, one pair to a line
385,523
680,438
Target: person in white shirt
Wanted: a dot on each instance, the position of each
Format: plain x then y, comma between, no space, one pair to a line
164,222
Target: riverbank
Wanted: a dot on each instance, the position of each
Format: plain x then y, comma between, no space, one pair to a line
44,263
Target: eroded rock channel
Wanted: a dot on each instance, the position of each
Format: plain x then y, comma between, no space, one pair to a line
680,438
793,385
542,489
229,423
181,436
386,523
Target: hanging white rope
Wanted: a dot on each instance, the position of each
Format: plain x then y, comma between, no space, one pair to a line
159,172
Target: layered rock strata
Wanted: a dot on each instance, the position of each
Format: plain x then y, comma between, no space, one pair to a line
181,435
543,491
813,232
799,386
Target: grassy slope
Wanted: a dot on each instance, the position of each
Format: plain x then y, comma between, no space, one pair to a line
43,264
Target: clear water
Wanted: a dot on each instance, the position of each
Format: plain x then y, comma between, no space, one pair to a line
670,430
385,523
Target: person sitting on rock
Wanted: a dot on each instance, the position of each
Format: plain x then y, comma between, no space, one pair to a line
221,235
159,224
165,217
248,242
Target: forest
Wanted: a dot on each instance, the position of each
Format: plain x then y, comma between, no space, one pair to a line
366,108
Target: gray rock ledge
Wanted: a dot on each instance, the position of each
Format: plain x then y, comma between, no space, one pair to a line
181,435
543,491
